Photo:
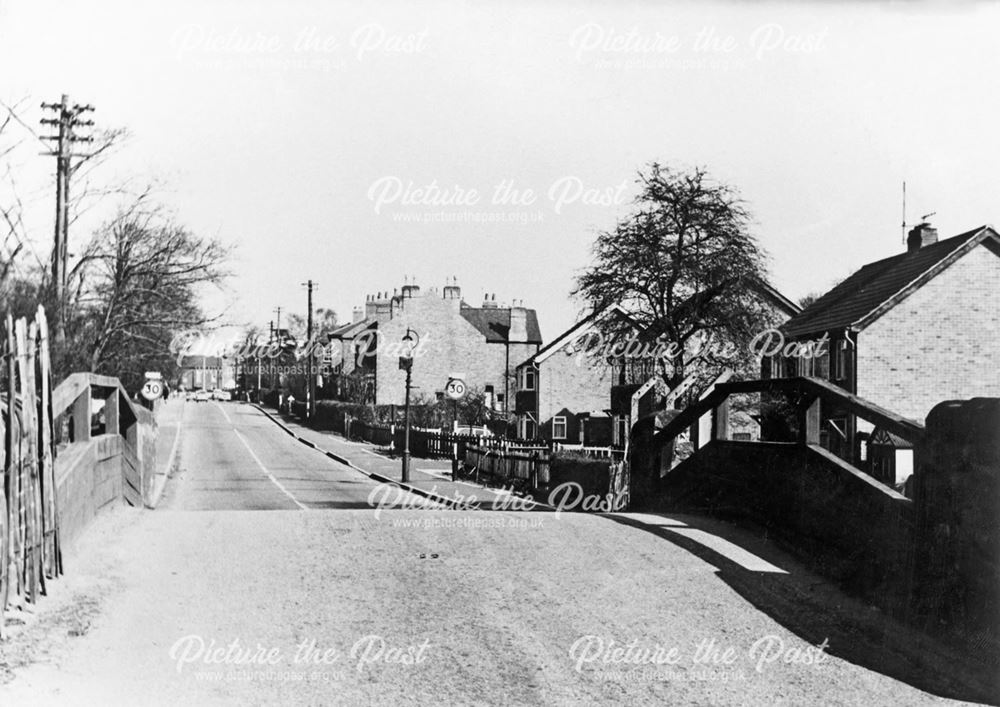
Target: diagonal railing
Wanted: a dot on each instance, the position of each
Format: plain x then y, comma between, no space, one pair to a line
808,391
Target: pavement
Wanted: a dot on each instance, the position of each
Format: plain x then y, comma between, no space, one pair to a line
265,576
169,422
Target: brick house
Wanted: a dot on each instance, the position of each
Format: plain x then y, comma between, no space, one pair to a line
482,344
565,396
906,332
564,393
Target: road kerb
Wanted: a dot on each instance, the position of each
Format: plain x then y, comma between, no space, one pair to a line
160,483
437,498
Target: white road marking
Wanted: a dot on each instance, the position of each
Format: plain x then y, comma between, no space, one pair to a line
226,414
268,473
650,519
745,559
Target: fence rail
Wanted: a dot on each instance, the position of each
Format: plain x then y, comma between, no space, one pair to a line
594,452
531,467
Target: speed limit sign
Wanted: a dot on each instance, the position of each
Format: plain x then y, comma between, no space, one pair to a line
152,390
455,388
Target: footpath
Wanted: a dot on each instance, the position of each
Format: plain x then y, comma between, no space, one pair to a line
430,478
169,420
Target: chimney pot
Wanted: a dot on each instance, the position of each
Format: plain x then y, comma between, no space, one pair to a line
920,236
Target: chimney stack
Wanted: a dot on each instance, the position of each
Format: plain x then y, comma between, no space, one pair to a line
410,287
359,314
518,331
921,235
451,289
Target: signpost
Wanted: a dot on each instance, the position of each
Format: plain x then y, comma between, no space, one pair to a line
153,387
455,389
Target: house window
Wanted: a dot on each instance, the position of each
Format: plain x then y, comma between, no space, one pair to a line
821,367
488,396
619,430
806,365
528,378
559,427
526,427
840,360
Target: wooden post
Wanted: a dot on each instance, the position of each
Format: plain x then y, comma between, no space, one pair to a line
112,413
13,555
81,416
720,421
47,456
809,421
4,528
25,362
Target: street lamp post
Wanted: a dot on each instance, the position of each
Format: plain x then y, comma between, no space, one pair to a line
406,363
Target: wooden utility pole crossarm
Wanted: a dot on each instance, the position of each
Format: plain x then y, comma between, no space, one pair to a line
67,118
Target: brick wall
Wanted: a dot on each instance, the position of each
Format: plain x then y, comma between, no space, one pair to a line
449,344
940,343
565,385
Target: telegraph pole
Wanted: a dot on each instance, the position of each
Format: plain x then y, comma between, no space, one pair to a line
270,357
310,376
67,118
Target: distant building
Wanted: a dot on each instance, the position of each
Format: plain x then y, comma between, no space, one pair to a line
481,344
906,332
564,390
578,388
208,372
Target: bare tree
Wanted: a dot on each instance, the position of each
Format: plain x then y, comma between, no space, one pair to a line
324,320
136,284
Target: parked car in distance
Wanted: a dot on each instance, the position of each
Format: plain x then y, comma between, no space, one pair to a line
470,430
202,396
220,394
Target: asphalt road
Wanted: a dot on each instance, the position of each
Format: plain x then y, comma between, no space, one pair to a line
265,578
233,458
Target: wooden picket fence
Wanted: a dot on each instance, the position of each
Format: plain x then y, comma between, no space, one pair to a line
30,552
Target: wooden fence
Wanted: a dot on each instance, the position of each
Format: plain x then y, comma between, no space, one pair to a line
529,466
612,453
30,551
367,431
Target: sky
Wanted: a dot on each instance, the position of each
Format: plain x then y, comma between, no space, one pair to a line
356,144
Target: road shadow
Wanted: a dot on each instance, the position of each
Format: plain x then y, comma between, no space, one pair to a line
815,609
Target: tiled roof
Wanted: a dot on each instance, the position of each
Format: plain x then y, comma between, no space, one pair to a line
873,286
495,323
767,291
568,336
351,329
